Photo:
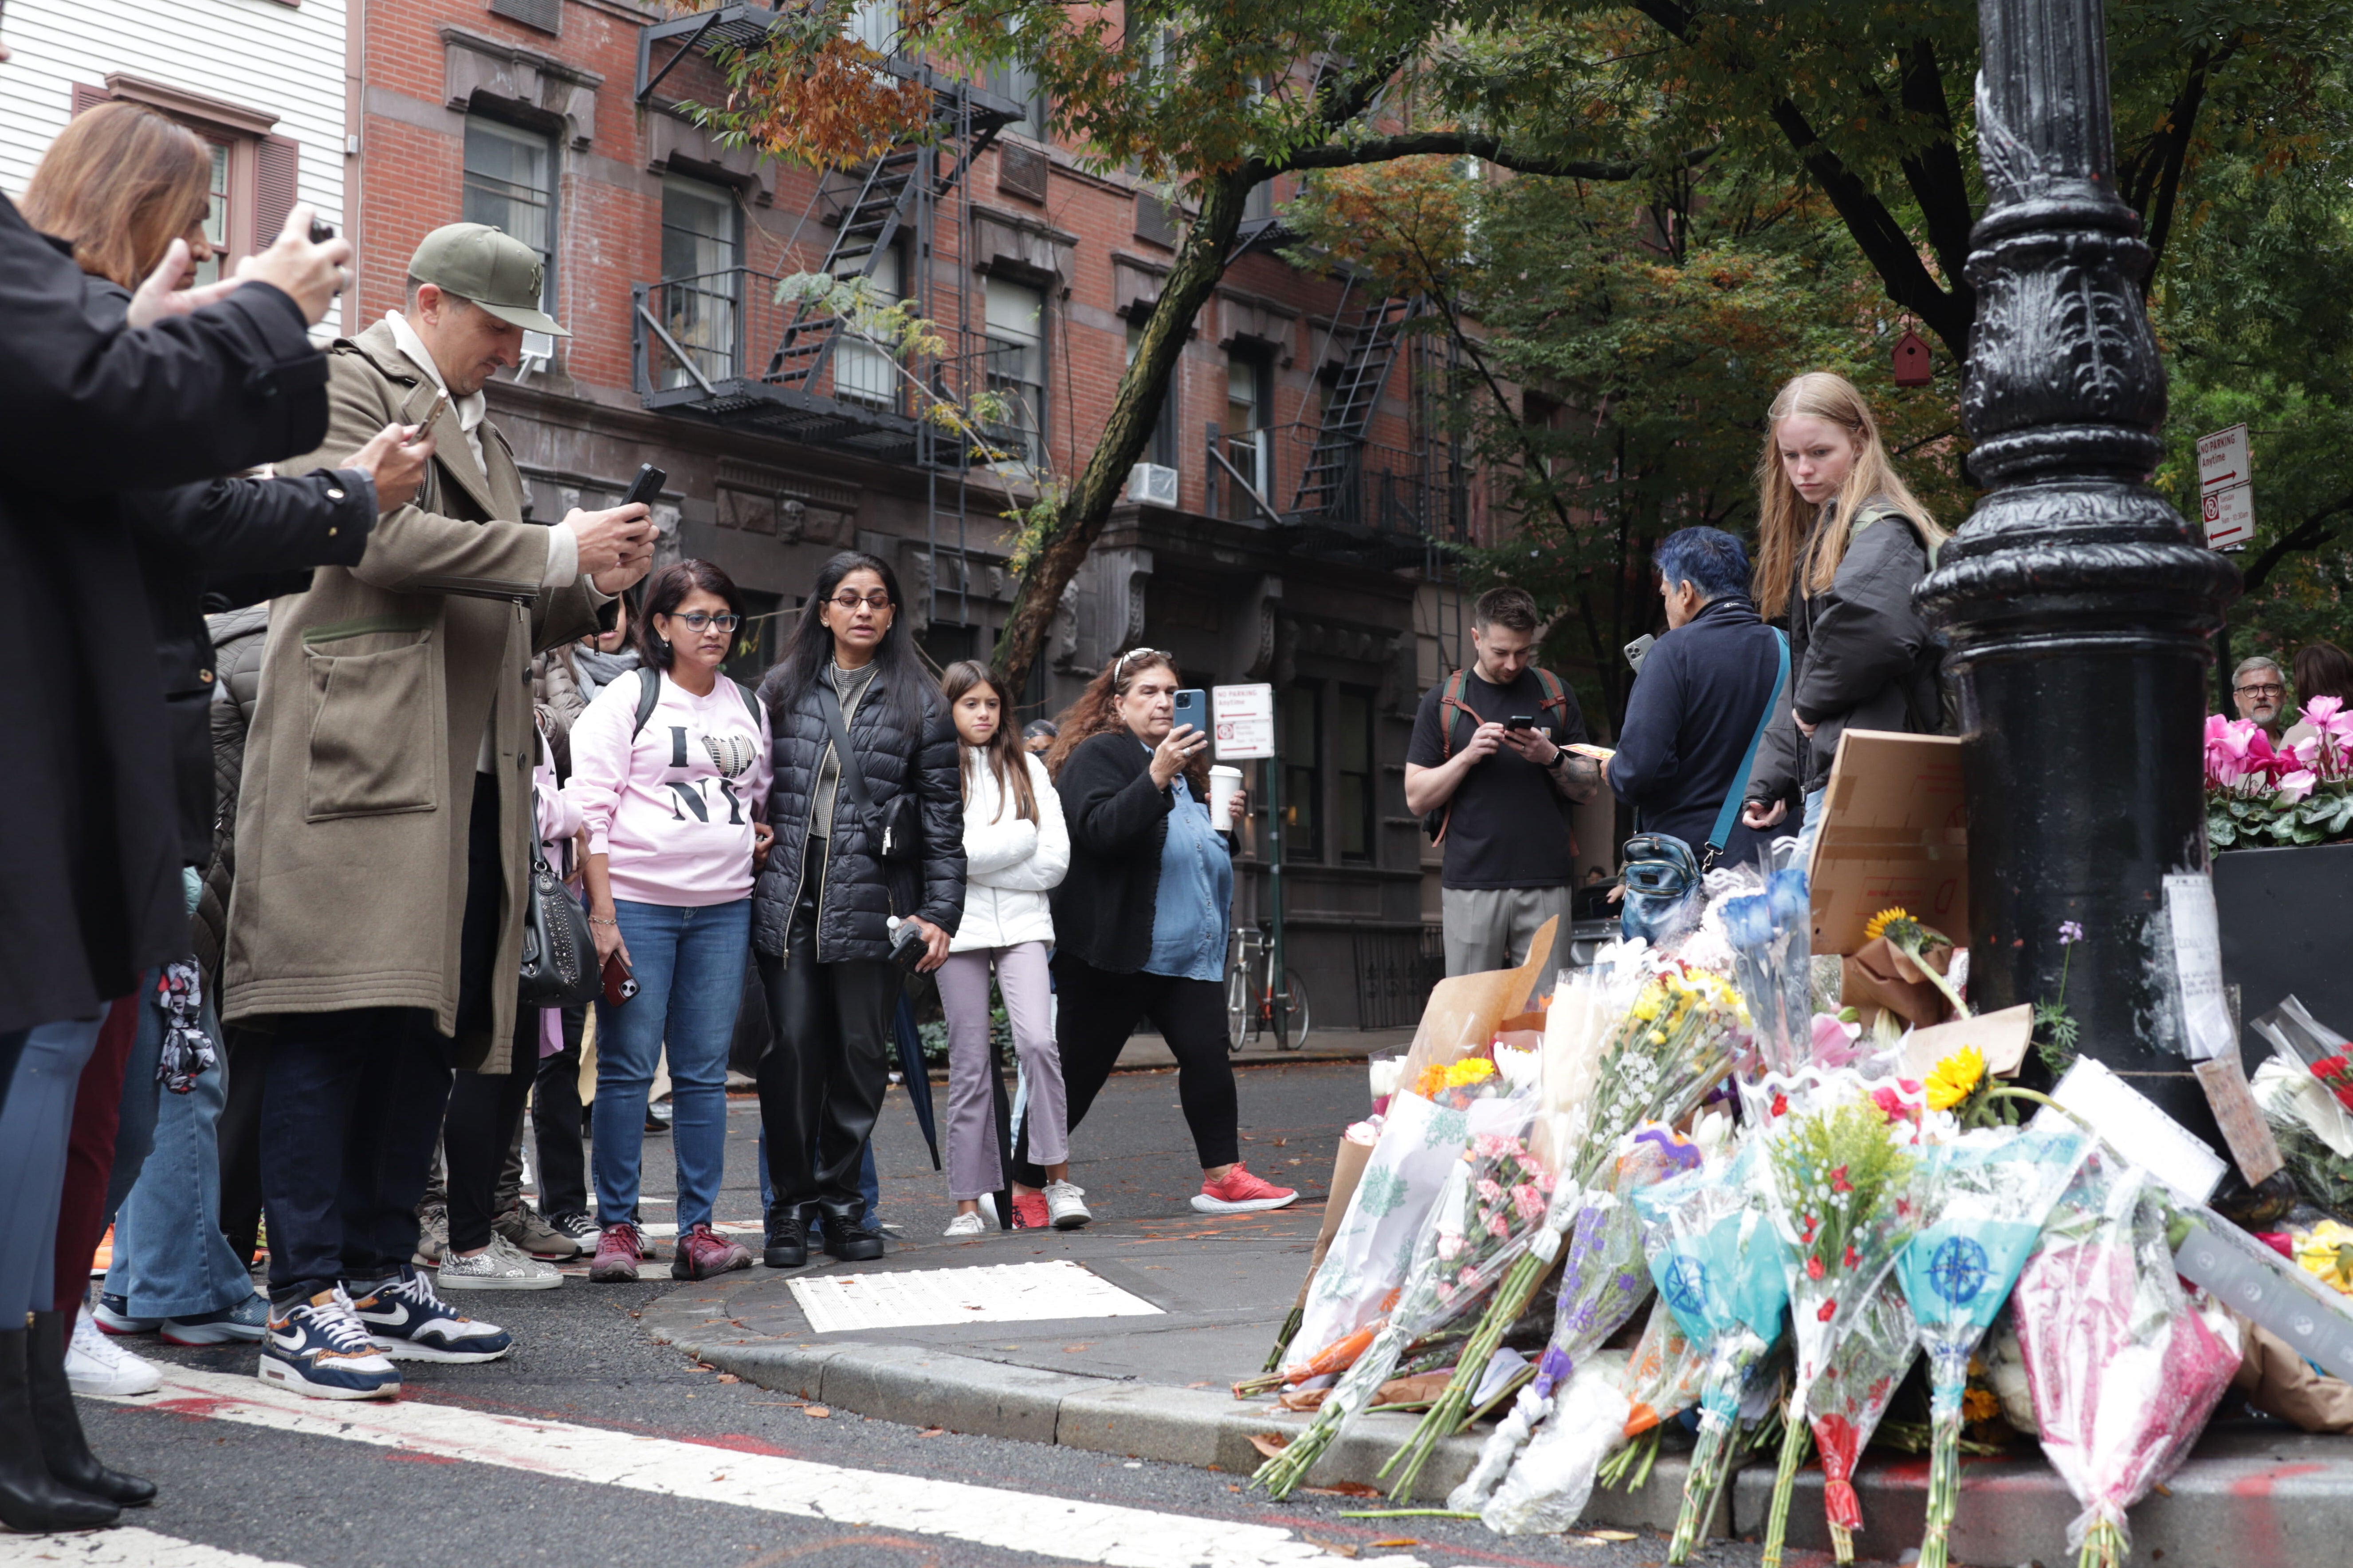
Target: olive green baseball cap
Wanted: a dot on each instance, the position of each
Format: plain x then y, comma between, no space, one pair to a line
494,269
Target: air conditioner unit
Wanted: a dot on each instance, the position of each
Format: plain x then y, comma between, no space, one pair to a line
1150,484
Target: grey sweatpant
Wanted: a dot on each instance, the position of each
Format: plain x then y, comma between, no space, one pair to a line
975,1166
1489,928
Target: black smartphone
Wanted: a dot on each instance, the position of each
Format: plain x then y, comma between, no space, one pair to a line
1193,708
1520,721
646,487
909,947
322,232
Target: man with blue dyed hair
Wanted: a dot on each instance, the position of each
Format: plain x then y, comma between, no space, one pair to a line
1695,711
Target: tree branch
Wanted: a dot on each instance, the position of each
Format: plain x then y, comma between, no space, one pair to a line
1935,174
1458,143
2310,534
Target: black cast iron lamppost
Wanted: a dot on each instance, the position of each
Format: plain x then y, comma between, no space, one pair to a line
2078,605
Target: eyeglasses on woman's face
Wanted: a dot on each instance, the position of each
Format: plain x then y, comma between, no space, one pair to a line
699,621
848,603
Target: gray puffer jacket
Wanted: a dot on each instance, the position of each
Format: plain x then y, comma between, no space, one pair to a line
1860,655
860,893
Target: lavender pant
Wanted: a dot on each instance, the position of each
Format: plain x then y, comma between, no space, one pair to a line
975,1167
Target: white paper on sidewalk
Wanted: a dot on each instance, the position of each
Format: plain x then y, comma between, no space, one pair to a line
990,1293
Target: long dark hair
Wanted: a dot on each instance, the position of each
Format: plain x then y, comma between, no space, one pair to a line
1097,712
904,680
2323,669
1007,758
667,591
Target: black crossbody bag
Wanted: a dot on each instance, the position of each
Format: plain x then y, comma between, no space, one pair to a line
894,829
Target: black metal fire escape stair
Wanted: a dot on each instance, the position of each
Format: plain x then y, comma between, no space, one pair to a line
1372,335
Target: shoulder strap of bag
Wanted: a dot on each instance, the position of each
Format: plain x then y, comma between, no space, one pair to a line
648,693
751,700
1449,698
1555,695
853,773
1724,818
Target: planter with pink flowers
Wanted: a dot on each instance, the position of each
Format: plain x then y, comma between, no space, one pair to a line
2259,796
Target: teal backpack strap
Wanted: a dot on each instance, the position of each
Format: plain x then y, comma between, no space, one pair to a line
1723,819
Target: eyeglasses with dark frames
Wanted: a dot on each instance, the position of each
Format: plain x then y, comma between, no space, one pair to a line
697,620
848,603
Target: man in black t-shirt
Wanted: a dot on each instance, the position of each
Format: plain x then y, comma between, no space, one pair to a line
1505,787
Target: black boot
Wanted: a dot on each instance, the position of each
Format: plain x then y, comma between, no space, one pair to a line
787,1242
846,1235
31,1500
59,1425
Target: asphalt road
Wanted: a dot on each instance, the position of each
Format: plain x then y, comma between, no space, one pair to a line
590,1443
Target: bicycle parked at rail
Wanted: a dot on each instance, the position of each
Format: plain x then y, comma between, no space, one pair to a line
1249,993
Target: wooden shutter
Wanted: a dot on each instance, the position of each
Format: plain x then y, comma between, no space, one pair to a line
89,98
277,161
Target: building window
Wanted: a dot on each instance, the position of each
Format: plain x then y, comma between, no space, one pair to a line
1302,771
1250,446
254,177
759,640
701,288
1017,79
1163,447
862,373
1017,366
1353,775
216,209
875,24
511,186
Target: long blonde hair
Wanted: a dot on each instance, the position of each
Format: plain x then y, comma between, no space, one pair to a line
1785,517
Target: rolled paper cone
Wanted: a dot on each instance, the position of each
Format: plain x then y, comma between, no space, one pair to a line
1465,1010
1347,1170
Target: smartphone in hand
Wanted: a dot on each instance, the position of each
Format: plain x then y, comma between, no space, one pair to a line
1520,721
1193,708
646,487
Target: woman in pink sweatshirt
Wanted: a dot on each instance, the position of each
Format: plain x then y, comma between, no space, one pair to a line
671,780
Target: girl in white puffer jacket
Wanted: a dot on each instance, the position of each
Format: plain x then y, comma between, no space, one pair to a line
1016,849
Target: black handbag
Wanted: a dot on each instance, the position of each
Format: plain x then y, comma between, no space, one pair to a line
559,953
894,829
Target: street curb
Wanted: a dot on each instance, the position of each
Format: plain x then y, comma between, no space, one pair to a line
2253,1496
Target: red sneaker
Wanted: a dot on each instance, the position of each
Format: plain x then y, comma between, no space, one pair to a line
1029,1212
703,1252
617,1255
1241,1192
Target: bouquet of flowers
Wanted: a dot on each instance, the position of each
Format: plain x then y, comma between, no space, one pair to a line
2124,1366
1983,1198
1717,1264
2302,794
1771,935
1678,1041
1493,1202
1849,1399
1602,1283
1838,1194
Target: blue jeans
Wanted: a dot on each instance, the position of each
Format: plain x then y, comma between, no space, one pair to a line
688,963
1810,827
170,1257
142,1097
34,1123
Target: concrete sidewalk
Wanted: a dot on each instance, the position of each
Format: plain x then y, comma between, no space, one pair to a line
1158,1387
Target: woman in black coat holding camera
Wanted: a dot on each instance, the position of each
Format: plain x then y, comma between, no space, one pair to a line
847,889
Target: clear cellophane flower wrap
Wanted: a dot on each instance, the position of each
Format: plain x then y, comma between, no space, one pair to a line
1983,1198
1600,1411
1480,1223
1679,1038
1771,935
1839,1192
1851,1396
1716,1260
2124,1367
1603,1283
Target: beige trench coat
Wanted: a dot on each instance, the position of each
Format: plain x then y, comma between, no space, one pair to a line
375,691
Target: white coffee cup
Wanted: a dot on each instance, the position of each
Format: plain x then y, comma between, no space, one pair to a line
1225,783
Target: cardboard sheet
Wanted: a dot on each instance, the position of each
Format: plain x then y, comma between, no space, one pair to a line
2000,1038
1465,1010
1895,833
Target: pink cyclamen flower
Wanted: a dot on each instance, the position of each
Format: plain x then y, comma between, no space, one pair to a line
2295,786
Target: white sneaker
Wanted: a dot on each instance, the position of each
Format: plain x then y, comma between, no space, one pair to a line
501,1266
1066,1206
965,1225
96,1365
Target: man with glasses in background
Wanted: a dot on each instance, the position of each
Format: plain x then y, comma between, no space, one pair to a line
2259,691
383,832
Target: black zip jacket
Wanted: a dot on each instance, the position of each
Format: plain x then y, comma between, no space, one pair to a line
1119,823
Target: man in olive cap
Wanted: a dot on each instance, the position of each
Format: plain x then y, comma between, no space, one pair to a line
384,835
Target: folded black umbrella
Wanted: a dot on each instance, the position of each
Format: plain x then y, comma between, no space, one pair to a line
918,1077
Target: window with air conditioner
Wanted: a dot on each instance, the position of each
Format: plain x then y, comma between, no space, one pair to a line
511,184
701,290
1017,368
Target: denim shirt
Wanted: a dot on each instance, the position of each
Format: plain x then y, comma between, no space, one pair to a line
1196,890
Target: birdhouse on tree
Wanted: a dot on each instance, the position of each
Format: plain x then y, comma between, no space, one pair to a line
1913,367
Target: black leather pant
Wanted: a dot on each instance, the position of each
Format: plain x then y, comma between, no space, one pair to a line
822,1083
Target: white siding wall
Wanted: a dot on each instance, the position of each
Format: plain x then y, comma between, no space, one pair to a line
285,60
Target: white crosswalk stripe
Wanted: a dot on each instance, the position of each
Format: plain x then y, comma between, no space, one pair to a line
126,1548
994,1516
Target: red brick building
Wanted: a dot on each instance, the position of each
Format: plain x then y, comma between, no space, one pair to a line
1285,533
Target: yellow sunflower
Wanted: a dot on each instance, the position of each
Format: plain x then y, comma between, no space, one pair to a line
1955,1079
1876,926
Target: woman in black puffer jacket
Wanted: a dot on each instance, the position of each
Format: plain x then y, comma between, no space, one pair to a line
824,911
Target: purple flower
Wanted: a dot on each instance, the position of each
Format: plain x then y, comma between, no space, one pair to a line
2070,931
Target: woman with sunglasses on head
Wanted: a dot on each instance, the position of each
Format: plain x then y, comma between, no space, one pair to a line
674,791
867,872
1140,918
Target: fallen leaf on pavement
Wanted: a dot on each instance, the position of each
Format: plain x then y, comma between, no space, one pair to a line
729,1377
820,1410
1269,1443
933,1432
1333,1547
1345,1488
1615,1535
1398,1540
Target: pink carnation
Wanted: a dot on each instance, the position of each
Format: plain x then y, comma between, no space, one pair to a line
1497,1226
1528,1202
1490,1190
